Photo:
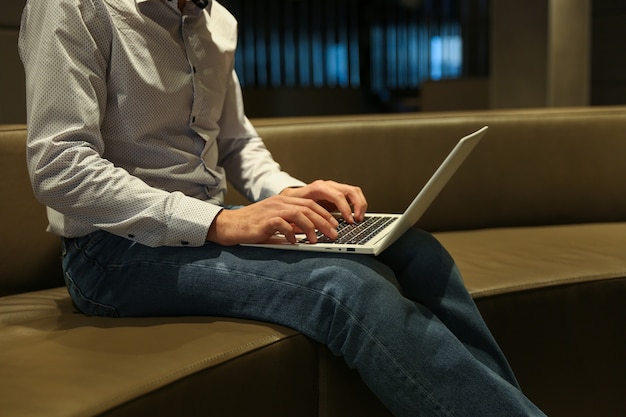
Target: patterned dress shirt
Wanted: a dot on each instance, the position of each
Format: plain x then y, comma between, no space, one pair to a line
135,118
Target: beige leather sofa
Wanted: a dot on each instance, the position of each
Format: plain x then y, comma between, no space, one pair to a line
536,220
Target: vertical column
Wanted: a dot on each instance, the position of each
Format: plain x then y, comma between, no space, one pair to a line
540,53
569,65
519,51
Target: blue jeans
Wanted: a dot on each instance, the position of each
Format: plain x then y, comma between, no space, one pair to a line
403,319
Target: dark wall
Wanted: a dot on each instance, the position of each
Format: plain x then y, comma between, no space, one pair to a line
608,52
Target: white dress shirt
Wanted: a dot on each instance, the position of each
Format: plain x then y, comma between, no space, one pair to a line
135,118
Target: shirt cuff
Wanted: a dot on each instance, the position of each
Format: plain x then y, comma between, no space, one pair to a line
190,222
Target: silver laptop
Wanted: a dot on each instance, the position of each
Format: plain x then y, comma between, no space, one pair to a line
377,231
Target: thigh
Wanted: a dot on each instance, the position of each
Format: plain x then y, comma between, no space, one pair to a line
109,275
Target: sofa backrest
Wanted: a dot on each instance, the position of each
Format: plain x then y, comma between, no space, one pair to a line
533,167
12,80
30,257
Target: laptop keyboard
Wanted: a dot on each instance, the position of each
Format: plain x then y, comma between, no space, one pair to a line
357,233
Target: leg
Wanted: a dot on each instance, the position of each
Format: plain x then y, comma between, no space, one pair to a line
428,275
413,362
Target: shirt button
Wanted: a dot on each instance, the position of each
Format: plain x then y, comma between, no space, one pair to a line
193,119
131,236
184,243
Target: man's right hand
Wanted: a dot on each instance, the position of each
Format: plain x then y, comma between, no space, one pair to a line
259,221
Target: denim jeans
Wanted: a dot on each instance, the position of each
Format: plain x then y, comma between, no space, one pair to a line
403,319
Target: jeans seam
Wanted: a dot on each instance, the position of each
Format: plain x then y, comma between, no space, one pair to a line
77,290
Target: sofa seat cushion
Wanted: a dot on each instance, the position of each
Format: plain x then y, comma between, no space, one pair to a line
74,365
505,260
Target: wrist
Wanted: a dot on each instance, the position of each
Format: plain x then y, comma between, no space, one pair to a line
289,191
212,234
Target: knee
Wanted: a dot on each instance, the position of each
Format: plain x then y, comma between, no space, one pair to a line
422,239
419,258
351,301
421,244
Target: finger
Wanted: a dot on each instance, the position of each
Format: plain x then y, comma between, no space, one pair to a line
335,194
350,202
359,203
309,217
285,228
291,219
328,195
325,217
324,223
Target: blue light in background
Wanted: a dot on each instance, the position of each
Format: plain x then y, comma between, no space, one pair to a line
446,57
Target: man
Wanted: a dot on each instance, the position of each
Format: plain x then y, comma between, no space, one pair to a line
136,119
